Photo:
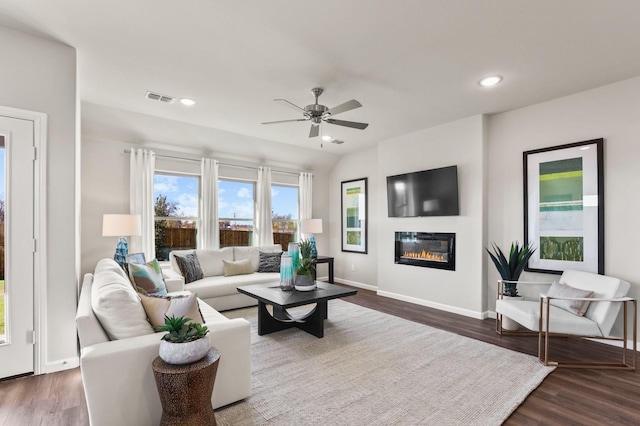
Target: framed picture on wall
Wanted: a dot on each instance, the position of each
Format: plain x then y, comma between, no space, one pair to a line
354,215
564,207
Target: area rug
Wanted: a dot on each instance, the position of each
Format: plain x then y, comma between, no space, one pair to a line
372,368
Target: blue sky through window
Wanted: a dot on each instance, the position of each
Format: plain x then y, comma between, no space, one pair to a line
235,198
182,190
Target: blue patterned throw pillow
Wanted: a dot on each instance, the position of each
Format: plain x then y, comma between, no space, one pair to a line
147,278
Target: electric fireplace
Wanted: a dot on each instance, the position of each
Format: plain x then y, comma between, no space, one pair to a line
426,249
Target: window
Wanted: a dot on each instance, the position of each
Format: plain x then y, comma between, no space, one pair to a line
284,213
176,212
235,212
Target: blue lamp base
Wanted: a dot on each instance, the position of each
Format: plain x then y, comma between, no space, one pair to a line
122,250
314,250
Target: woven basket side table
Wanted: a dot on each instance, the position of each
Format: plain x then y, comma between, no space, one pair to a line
185,390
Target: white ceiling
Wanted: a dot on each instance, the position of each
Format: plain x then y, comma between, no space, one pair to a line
412,64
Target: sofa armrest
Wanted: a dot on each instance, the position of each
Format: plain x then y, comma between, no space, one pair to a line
119,374
173,280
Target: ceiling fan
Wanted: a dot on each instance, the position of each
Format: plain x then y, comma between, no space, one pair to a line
317,113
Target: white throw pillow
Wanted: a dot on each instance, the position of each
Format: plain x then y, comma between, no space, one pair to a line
117,305
211,260
578,307
177,306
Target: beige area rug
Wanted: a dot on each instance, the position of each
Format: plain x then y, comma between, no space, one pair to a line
376,369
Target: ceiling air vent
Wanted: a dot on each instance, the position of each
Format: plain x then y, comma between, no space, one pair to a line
158,97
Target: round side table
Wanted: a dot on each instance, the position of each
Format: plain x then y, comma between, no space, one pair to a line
185,390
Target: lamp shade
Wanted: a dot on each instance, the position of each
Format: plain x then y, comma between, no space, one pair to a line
311,226
121,225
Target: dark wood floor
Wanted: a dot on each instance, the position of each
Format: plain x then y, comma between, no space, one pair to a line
578,397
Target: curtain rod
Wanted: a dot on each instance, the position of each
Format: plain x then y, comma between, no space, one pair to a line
128,151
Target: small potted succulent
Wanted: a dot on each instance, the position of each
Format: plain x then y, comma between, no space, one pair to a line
304,273
185,341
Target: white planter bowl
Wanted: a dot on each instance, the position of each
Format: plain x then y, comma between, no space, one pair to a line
184,353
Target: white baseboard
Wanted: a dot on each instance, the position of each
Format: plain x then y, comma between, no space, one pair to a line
61,364
356,284
428,304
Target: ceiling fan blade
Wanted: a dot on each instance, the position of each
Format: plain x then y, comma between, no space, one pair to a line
288,104
284,121
347,106
353,124
314,131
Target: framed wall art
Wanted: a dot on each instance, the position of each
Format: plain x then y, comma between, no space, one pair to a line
564,207
354,215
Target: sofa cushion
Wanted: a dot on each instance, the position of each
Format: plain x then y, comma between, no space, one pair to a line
237,267
116,304
269,262
253,254
210,287
147,278
189,267
211,260
177,306
172,258
578,307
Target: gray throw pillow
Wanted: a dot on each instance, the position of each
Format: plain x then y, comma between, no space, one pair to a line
189,267
269,262
578,307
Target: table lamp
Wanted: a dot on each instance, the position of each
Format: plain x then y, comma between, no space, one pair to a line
310,227
122,226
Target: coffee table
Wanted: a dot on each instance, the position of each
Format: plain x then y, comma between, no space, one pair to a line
312,323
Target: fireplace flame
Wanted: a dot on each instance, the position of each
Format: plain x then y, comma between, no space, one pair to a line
425,255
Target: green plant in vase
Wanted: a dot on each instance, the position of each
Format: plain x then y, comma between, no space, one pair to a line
510,268
306,267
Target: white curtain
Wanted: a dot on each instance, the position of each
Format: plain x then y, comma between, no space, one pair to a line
141,202
263,234
208,230
305,185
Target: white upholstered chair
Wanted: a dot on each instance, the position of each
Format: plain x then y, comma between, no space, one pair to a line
557,312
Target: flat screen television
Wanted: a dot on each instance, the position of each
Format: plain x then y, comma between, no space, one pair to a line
426,193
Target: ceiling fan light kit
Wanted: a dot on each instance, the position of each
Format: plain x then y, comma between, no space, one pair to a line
317,113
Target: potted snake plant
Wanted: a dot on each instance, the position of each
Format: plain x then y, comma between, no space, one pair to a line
511,267
185,341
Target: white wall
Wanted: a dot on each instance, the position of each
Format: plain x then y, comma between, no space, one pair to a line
40,75
611,112
105,189
356,268
460,143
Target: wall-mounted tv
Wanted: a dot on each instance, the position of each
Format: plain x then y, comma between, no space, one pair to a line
426,193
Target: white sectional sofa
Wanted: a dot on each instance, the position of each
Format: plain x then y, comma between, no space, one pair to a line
216,289
118,380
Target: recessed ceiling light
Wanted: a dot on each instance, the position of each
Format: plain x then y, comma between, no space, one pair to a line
490,81
187,102
326,138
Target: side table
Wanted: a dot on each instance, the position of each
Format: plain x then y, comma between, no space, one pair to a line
185,390
325,259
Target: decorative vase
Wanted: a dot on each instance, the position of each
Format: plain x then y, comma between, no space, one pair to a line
507,323
184,353
305,283
294,252
286,272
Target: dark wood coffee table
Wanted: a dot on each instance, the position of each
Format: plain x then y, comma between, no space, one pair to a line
312,323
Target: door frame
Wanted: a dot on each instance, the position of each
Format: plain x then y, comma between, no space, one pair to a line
39,120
